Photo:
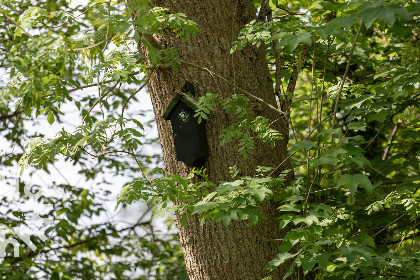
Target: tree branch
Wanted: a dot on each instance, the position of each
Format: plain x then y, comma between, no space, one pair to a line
289,11
16,23
14,114
346,72
394,131
102,83
131,96
233,85
287,100
289,156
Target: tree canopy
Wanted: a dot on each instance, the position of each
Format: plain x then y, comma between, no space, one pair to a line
346,78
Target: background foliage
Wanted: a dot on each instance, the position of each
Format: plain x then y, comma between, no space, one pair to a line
353,118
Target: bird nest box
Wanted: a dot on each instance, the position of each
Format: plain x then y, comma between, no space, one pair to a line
189,136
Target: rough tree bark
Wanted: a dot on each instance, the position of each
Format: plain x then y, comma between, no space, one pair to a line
214,251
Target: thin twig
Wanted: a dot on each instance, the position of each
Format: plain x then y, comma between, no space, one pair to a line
374,137
312,88
389,118
233,85
309,129
139,164
374,169
277,59
11,115
390,224
106,153
405,235
289,156
414,235
346,72
132,95
99,96
394,131
107,28
305,208
323,80
289,11
88,47
99,100
102,83
287,101
16,23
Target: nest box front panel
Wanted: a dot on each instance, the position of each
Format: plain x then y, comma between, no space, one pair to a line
189,136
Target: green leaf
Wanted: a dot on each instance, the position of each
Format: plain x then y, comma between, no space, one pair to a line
388,17
55,276
253,214
322,259
81,142
50,117
308,262
201,208
279,259
356,126
353,181
370,15
224,217
386,14
292,41
324,160
261,193
303,145
184,220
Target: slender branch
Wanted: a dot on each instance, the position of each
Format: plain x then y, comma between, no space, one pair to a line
99,96
390,224
277,58
106,153
323,81
289,11
139,164
289,156
295,131
305,208
309,129
376,170
312,88
413,235
99,100
132,95
16,23
88,47
374,137
287,101
405,235
102,83
394,131
14,114
131,152
233,85
346,72
389,118
107,28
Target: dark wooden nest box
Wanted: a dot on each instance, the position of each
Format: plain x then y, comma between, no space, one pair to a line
189,136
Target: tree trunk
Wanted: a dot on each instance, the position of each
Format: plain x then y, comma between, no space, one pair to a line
214,251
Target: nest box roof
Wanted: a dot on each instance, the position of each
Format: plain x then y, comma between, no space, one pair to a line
186,98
